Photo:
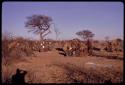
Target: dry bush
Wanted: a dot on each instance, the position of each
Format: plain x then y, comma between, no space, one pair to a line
7,72
16,49
116,49
109,55
34,76
91,75
13,50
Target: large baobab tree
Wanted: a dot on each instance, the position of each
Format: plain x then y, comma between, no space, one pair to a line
86,35
39,24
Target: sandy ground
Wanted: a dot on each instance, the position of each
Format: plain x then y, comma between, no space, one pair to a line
51,67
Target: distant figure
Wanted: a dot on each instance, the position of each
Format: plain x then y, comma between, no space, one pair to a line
19,77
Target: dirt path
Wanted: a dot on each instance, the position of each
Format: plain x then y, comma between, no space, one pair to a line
51,67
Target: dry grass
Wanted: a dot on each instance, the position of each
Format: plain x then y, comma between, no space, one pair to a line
99,75
109,55
66,70
7,72
16,49
55,68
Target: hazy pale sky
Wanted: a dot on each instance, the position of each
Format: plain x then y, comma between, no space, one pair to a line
102,18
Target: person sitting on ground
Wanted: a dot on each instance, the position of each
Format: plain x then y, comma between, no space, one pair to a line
19,77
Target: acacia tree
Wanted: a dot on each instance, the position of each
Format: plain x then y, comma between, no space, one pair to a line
86,35
39,24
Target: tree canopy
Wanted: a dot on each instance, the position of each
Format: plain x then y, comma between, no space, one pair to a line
39,24
85,34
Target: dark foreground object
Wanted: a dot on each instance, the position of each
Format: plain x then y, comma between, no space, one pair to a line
19,77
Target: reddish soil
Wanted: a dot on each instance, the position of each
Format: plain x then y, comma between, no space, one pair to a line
51,67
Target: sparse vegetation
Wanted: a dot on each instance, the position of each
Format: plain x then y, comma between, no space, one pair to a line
20,53
43,63
87,35
15,49
62,43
